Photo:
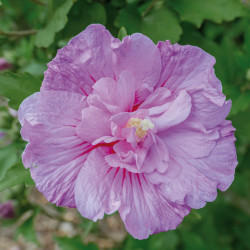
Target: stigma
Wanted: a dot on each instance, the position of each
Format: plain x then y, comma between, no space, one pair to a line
142,126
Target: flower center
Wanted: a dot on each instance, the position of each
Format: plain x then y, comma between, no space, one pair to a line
142,126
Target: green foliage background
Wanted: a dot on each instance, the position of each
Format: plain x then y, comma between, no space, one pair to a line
31,31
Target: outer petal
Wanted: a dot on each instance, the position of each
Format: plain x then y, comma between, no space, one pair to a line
94,125
189,188
189,142
87,58
114,97
55,154
190,68
139,55
96,192
199,178
145,210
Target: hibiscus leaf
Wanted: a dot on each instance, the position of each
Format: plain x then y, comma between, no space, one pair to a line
17,87
197,11
14,176
74,243
151,24
27,230
81,15
154,22
8,157
45,37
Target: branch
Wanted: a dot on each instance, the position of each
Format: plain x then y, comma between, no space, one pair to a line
38,2
152,4
18,33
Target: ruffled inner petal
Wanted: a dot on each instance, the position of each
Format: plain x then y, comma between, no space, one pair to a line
94,125
114,96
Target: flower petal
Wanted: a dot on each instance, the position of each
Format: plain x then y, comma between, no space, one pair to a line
199,178
159,97
145,210
139,55
97,187
157,157
114,97
94,125
55,154
87,58
189,142
207,112
174,113
190,68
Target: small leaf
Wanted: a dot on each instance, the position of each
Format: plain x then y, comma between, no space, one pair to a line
14,176
81,15
162,24
46,36
122,33
17,87
8,157
197,11
27,230
74,243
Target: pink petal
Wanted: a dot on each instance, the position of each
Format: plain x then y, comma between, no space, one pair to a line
97,187
190,68
189,188
87,58
128,157
114,97
145,210
189,142
139,55
220,165
207,112
158,98
199,178
94,125
174,113
157,157
55,154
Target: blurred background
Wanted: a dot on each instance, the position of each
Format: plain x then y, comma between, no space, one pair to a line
31,32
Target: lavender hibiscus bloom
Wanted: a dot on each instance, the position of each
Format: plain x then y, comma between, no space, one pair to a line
131,127
4,64
7,210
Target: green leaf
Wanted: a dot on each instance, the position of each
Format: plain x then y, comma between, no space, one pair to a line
130,19
17,87
197,11
74,243
122,33
27,230
162,24
151,24
14,176
46,36
241,103
8,157
81,15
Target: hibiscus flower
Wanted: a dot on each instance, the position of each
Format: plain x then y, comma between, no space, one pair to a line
129,126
